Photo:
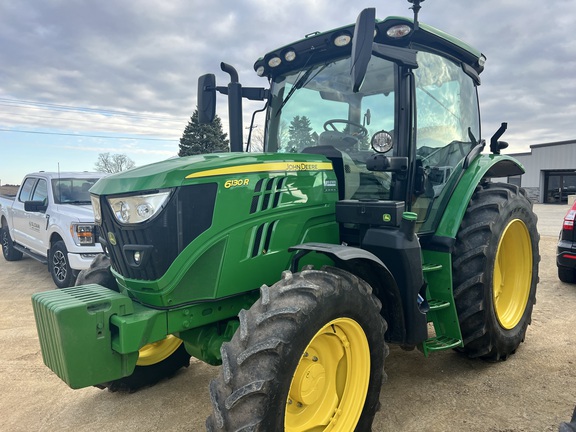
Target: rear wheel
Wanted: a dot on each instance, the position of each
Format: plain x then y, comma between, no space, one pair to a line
10,254
567,275
157,360
309,355
59,267
495,270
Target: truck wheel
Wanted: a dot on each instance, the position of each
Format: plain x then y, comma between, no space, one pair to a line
495,271
308,355
59,267
157,360
10,254
567,275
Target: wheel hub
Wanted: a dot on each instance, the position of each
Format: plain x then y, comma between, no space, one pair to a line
512,274
59,262
329,385
309,382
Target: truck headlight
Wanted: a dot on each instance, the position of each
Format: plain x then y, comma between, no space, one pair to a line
138,208
83,234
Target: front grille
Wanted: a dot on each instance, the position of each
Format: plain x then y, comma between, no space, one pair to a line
187,214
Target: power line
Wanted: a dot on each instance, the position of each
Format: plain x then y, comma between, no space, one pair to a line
88,136
73,121
58,107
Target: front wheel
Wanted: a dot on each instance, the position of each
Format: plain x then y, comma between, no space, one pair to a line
495,270
59,267
308,356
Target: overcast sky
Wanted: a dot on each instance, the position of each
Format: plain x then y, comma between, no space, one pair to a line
80,77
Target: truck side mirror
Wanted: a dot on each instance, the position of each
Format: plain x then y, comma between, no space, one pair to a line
206,98
362,46
35,206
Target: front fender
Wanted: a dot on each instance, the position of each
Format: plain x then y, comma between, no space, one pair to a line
371,269
485,166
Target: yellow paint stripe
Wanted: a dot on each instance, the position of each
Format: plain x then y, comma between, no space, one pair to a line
264,167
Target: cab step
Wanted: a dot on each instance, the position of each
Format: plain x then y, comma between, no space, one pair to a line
440,343
427,268
442,314
438,304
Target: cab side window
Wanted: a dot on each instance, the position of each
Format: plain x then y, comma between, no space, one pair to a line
26,190
41,192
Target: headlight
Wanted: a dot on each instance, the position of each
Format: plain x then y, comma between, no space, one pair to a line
96,208
138,208
83,234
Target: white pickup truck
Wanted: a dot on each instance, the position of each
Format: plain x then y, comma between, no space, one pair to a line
51,219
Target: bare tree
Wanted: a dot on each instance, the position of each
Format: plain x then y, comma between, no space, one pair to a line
113,163
257,138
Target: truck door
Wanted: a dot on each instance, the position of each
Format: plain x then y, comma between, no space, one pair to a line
38,220
30,228
19,216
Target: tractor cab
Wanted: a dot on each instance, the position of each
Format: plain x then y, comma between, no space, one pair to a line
401,136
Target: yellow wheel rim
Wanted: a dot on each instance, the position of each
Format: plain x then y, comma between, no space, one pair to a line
156,352
329,386
512,274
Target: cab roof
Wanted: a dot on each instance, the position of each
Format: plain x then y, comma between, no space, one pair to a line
318,47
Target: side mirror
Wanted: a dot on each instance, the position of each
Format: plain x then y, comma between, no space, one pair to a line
362,46
206,98
35,206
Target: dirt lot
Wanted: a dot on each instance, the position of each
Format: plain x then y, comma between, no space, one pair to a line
533,391
8,190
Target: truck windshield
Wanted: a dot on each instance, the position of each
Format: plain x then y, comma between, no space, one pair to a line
72,190
315,107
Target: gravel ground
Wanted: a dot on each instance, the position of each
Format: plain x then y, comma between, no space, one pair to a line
534,390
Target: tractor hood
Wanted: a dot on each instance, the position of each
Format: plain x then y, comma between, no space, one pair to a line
186,170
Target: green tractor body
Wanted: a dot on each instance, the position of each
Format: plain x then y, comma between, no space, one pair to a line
372,165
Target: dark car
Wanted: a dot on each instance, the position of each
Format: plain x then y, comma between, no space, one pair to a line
566,255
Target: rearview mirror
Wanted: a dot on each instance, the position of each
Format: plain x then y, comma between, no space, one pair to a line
206,98
362,46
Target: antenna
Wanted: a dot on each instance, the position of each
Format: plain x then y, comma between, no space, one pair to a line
416,8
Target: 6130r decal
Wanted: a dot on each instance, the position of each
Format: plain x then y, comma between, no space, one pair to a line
236,182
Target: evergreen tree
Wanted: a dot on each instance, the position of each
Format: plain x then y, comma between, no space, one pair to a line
299,134
203,138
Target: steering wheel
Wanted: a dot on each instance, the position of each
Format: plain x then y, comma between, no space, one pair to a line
362,131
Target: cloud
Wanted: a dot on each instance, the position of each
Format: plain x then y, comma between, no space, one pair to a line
145,57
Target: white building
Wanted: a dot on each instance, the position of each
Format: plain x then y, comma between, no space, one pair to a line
550,171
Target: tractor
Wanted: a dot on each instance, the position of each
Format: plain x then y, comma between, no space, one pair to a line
373,216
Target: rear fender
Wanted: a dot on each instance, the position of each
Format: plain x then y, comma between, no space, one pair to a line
483,167
371,269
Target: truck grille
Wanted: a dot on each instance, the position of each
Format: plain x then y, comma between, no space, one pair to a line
187,214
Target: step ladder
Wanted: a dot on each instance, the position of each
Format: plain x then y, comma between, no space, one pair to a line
442,314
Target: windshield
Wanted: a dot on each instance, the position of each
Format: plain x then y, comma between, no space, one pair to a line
72,190
315,108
